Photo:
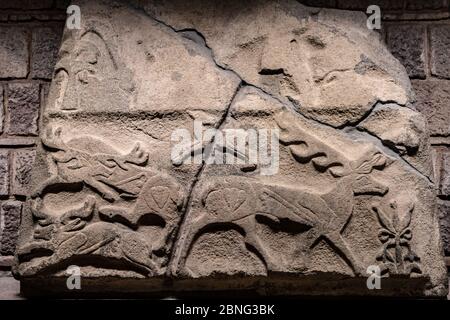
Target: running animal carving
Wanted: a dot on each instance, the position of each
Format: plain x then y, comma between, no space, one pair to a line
60,237
238,201
69,165
131,194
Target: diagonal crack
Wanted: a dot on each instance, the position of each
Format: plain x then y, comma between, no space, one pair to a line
175,254
290,105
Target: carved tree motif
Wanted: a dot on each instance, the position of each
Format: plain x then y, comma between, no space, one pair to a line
395,234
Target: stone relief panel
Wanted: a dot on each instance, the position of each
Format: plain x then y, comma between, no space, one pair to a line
314,87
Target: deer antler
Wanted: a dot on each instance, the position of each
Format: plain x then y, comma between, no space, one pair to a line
305,147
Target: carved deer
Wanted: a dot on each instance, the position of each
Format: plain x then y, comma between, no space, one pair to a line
326,213
70,234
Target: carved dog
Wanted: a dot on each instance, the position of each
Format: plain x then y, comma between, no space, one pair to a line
70,235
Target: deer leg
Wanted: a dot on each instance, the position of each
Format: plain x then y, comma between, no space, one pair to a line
105,192
336,239
137,252
251,238
37,192
187,244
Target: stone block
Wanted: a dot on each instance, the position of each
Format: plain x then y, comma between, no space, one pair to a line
23,107
26,4
407,44
4,173
444,218
14,53
444,175
433,100
21,175
45,45
440,50
10,212
119,188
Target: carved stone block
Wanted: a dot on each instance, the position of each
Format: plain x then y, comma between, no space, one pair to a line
129,187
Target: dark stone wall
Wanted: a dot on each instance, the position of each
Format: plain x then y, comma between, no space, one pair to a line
417,32
30,33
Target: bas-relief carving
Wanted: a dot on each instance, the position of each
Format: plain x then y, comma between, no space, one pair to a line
127,196
136,217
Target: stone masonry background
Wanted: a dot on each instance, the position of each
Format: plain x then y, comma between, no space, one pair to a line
417,33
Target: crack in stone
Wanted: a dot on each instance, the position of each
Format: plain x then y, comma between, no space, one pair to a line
174,259
386,149
344,128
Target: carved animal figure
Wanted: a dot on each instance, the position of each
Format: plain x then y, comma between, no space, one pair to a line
70,235
70,165
326,212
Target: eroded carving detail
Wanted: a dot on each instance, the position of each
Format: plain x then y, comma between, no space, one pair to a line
69,235
395,234
324,214
108,174
128,197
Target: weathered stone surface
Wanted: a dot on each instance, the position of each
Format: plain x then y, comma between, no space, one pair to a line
444,216
444,175
407,43
303,63
440,50
426,5
433,99
2,112
319,3
364,4
4,173
45,44
403,130
22,165
13,52
26,4
303,205
23,106
10,211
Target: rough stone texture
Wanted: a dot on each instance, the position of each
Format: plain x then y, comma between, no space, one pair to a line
444,215
45,45
4,173
407,43
10,211
2,111
23,106
22,165
433,99
403,130
274,59
26,4
13,52
113,192
363,4
426,5
444,183
440,53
